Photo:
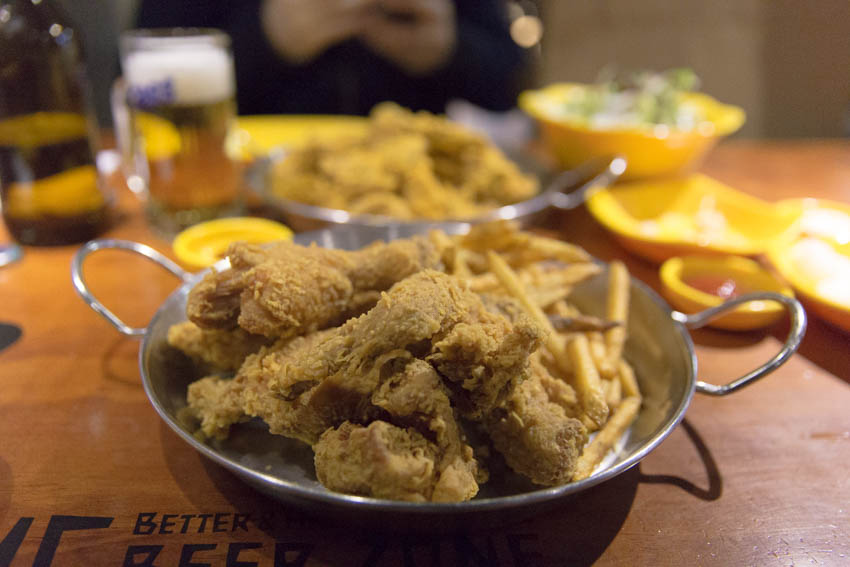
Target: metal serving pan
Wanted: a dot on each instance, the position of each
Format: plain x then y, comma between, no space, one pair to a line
559,190
658,346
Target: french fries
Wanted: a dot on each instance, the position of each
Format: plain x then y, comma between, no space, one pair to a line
587,381
613,392
627,379
607,437
599,351
589,375
617,310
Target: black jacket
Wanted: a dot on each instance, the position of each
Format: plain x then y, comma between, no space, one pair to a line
486,68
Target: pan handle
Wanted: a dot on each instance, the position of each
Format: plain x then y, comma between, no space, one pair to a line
588,177
114,244
792,341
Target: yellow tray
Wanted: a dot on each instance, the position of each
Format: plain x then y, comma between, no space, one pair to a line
813,256
689,215
257,135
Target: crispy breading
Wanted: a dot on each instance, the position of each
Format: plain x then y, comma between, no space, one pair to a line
219,402
416,453
287,289
379,460
535,435
220,348
479,353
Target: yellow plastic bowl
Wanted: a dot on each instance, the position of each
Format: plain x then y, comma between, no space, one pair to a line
689,215
650,152
203,244
833,229
748,276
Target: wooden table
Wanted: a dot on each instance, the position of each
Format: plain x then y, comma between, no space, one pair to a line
89,475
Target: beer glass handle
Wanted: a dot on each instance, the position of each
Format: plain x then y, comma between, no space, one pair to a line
135,170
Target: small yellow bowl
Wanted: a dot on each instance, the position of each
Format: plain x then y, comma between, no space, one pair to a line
650,152
686,216
814,257
203,244
686,280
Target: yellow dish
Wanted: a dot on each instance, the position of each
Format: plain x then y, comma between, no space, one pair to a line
690,215
257,135
695,283
650,152
203,244
814,257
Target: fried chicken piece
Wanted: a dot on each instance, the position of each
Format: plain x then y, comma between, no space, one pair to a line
293,296
215,402
288,289
404,319
534,432
219,402
379,460
306,410
416,397
417,454
213,302
479,353
219,348
485,355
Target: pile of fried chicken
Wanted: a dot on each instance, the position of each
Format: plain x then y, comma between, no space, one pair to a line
406,165
380,361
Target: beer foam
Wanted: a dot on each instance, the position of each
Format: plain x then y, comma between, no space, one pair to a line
196,75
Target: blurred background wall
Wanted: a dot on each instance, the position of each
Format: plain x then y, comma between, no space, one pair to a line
720,40
786,62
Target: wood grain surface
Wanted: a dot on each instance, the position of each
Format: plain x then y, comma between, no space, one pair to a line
89,474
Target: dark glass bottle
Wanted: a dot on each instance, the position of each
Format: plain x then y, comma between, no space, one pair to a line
50,189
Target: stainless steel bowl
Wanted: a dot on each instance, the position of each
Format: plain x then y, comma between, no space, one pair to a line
659,347
559,190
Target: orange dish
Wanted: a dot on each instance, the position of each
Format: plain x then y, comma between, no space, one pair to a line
695,283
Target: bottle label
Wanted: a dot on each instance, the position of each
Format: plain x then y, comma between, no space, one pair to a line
151,95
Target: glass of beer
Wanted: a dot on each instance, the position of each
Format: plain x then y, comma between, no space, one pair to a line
175,120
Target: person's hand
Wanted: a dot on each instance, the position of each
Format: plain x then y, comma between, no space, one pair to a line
417,35
300,30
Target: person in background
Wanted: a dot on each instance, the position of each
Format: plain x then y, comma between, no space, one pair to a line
345,56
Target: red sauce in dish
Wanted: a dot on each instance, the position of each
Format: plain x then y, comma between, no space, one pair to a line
721,286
